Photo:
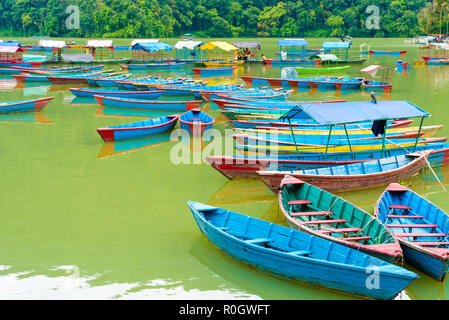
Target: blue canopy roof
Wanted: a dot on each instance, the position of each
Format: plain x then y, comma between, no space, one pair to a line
152,47
328,45
11,43
336,113
292,43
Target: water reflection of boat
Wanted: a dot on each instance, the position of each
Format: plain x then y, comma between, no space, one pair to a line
7,84
37,117
119,112
241,192
126,146
253,282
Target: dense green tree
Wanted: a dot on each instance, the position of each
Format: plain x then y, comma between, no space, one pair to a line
216,18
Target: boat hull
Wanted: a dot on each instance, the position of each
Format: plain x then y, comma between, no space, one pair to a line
24,106
342,183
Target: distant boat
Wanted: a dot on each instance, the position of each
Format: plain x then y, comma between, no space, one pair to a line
211,72
196,122
90,93
155,65
138,129
295,255
387,53
24,105
322,69
148,104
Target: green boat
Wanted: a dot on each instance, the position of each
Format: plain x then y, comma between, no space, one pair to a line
322,70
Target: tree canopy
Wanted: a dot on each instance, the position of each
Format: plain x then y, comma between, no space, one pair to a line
221,18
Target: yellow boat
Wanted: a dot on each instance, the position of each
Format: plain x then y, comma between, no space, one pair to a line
276,149
426,132
223,64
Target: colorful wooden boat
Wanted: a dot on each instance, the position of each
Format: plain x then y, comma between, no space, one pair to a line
25,77
337,84
148,104
249,94
139,129
421,228
212,72
279,82
295,255
299,62
387,53
156,66
77,79
24,105
9,71
90,93
107,82
223,100
322,214
219,64
246,167
370,85
434,62
196,122
322,70
356,176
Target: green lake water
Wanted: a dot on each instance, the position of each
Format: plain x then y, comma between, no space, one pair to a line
82,219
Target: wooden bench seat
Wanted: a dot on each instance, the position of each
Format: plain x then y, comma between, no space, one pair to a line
420,235
357,238
300,253
342,230
431,244
405,217
326,221
397,206
258,241
310,214
412,225
299,202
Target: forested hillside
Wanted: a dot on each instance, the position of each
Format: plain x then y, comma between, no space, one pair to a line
218,18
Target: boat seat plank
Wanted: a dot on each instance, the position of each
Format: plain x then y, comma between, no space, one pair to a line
405,217
357,238
412,225
326,221
431,244
311,214
397,206
299,202
300,253
423,235
258,241
342,230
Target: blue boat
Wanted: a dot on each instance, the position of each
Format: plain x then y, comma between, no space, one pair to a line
298,256
24,105
196,122
90,93
107,82
148,104
338,84
250,94
138,129
156,66
10,71
213,72
421,228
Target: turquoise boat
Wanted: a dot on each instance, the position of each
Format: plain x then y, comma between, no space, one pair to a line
90,93
295,255
148,104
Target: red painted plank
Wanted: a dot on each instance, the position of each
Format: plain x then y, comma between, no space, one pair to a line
299,202
412,225
357,238
310,214
342,230
420,235
405,217
396,206
325,221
